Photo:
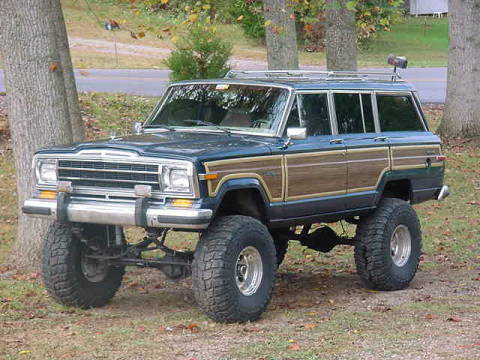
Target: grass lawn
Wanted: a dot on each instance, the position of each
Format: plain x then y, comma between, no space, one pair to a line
319,309
423,40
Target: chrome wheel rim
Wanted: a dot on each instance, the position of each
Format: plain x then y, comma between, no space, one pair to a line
94,270
400,245
249,271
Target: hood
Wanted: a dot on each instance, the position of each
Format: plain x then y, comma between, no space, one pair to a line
182,144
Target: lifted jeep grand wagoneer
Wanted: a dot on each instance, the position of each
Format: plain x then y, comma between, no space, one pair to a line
244,161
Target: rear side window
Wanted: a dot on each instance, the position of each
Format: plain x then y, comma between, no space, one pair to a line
398,113
314,114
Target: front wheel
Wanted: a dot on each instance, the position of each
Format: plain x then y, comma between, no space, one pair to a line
388,246
72,277
233,269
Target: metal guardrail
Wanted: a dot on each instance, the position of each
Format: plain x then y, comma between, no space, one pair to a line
314,75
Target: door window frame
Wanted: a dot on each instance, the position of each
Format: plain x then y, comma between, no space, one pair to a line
333,128
373,102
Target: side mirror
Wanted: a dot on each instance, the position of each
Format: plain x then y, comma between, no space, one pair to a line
297,133
137,128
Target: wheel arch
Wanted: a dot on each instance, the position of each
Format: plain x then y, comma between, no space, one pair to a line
254,199
398,188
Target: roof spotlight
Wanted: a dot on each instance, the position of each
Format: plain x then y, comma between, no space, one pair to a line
397,61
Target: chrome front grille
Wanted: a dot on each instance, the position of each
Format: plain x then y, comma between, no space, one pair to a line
103,174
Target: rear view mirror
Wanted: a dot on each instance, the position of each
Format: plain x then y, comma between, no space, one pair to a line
297,133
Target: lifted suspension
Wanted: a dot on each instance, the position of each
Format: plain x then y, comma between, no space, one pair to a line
174,264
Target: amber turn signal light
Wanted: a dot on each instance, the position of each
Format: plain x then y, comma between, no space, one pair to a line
48,194
211,176
182,203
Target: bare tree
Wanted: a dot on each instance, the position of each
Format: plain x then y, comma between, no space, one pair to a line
341,36
78,129
38,112
281,35
462,111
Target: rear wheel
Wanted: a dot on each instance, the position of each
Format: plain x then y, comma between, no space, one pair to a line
388,246
234,269
72,277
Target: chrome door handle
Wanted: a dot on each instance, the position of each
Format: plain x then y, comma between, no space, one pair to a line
380,138
336,141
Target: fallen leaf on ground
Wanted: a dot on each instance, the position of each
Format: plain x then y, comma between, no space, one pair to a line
294,347
454,319
310,326
193,328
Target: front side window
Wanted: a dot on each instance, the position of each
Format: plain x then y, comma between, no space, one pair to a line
314,114
398,113
257,109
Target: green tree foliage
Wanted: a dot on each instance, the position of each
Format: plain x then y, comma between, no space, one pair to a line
372,16
199,53
249,14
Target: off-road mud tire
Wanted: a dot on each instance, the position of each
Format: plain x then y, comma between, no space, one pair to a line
214,269
373,250
62,272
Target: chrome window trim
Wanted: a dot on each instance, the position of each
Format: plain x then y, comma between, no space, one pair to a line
376,119
126,157
420,110
276,127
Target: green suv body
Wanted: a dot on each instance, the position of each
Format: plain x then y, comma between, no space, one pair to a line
245,161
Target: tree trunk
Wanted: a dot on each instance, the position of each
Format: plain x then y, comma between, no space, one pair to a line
462,110
78,129
341,36
37,104
281,35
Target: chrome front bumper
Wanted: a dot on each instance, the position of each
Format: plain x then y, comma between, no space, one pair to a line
118,213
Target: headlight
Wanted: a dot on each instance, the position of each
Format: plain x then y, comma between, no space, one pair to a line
46,171
177,179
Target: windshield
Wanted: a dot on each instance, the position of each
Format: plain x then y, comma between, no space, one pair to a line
223,107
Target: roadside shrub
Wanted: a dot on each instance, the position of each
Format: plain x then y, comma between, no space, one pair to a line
199,54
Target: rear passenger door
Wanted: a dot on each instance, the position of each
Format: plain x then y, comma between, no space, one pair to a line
315,167
367,152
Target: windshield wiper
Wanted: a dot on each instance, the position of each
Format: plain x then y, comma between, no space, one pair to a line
159,126
208,123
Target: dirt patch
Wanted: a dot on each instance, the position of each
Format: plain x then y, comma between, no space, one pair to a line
109,47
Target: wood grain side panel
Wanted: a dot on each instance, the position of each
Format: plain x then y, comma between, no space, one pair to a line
315,175
267,169
411,157
365,167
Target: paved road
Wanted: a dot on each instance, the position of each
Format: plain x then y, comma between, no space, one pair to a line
430,82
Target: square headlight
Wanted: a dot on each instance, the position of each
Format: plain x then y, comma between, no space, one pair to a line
176,179
46,171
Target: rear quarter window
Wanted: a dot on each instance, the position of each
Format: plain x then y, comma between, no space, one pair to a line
398,113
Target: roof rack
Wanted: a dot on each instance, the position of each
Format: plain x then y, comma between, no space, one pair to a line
314,75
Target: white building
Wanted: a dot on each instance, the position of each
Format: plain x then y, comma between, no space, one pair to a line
427,7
